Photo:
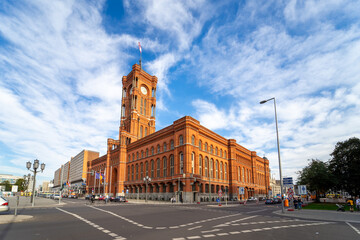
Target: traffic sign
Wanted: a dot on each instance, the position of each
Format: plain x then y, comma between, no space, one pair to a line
288,181
241,190
220,193
302,189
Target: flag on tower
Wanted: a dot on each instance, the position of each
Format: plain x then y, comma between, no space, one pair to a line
140,47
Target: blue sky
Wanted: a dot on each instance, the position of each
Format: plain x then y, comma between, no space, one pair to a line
61,64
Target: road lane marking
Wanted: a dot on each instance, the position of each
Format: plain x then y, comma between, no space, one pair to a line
214,230
194,228
171,227
256,230
355,229
92,224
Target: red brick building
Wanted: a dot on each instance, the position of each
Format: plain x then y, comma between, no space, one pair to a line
185,159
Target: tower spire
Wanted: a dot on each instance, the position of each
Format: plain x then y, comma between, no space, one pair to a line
140,55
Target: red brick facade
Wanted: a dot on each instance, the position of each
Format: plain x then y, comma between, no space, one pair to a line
182,159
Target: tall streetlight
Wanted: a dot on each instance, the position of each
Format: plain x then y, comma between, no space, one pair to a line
147,180
35,167
278,146
26,182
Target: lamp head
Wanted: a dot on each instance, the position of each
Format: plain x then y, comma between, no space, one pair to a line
42,166
28,165
264,101
36,164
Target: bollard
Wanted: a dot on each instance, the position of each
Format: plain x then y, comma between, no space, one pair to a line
17,204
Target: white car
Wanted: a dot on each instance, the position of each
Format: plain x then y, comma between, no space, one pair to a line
4,205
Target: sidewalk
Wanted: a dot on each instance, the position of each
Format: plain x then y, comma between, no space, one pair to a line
324,215
24,202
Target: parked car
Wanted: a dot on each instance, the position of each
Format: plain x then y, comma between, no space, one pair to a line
4,205
56,196
102,198
120,199
277,201
87,197
252,199
269,201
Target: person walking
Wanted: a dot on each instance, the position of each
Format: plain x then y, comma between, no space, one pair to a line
350,202
358,203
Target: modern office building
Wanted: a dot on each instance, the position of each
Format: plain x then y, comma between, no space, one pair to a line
184,160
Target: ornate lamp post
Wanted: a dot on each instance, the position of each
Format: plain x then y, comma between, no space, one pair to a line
147,180
26,182
35,167
278,147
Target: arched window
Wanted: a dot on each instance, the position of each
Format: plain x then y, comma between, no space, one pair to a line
137,171
152,169
181,140
132,172
152,150
141,171
165,147
192,162
128,173
146,131
172,165
211,149
221,171
243,174
146,168
172,144
137,155
225,170
147,152
142,154
216,151
206,167
200,165
158,148
200,145
193,140
133,157
181,159
141,131
221,153
225,156
239,174
211,168
158,167
206,147
217,169
164,167
145,107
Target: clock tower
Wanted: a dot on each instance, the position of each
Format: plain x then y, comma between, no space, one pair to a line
138,105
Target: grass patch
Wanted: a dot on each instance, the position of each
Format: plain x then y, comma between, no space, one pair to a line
324,206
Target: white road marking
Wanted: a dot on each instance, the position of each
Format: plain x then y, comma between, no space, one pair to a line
214,230
93,225
257,230
355,229
194,228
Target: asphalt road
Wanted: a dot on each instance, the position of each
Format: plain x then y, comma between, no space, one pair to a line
79,220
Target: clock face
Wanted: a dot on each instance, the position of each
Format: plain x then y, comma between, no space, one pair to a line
143,90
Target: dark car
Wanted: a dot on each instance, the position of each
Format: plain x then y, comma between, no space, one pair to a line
119,199
269,201
277,200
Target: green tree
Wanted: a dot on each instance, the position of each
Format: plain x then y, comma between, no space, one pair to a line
316,176
7,185
345,165
21,184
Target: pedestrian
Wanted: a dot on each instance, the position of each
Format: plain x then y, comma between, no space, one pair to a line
299,204
358,203
295,203
350,202
92,198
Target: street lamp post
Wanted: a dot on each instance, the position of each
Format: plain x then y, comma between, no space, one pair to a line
26,183
147,180
278,147
35,167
